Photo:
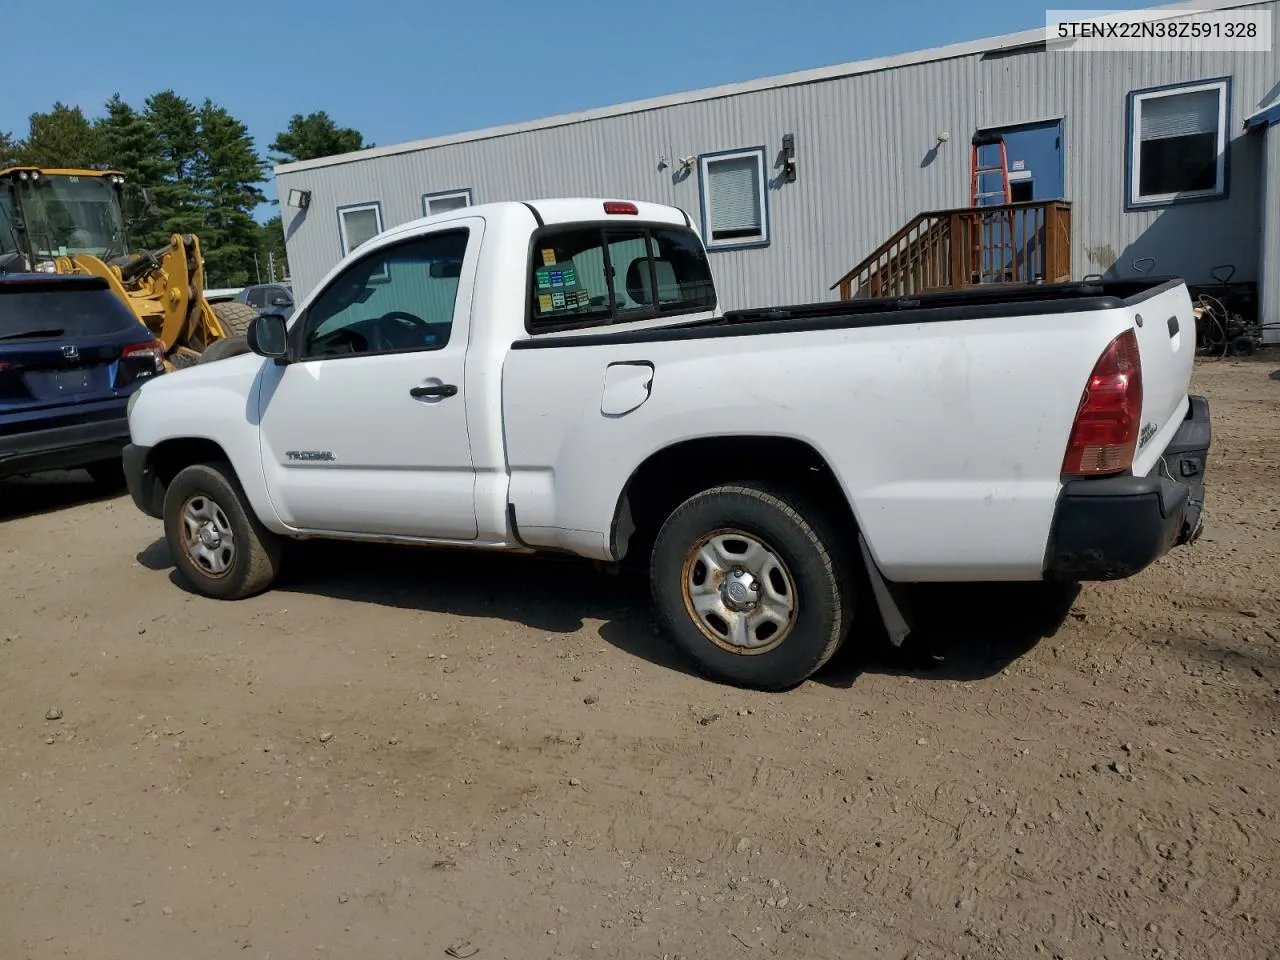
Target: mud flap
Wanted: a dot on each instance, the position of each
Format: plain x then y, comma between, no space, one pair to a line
895,624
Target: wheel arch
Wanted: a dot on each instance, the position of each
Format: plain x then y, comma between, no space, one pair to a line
672,474
166,459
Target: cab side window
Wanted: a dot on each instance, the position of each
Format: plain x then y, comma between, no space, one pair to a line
396,299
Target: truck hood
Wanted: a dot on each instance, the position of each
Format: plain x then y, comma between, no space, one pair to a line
224,374
201,401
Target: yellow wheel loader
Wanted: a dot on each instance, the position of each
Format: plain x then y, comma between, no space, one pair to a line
73,221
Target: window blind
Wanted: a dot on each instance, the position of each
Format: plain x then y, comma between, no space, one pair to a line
1179,115
734,195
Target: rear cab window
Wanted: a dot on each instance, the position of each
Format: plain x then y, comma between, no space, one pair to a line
593,275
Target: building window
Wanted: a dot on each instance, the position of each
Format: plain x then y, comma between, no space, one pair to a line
359,223
433,203
1178,143
735,211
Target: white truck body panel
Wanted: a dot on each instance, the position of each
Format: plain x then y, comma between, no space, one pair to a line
916,420
947,436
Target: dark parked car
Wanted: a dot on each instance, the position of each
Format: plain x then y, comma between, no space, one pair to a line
267,298
71,355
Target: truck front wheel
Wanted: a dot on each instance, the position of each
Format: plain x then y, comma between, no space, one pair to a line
755,589
218,545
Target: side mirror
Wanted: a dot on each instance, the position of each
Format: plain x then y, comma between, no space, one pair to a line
268,337
281,301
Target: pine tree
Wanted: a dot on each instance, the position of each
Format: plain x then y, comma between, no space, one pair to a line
271,247
315,135
63,137
177,129
131,145
227,173
10,150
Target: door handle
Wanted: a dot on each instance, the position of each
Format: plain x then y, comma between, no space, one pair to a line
435,390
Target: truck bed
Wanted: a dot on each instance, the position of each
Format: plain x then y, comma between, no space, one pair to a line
989,302
946,417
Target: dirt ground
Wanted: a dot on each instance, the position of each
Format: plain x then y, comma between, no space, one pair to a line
397,752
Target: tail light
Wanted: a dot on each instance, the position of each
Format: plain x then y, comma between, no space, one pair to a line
621,206
153,351
1105,433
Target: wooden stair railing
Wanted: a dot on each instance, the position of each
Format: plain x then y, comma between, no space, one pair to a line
1021,243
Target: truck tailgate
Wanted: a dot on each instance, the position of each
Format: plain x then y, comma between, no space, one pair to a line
1166,331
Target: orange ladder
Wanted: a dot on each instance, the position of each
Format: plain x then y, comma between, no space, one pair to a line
992,254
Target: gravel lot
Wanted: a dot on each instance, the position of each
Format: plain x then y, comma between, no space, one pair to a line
397,752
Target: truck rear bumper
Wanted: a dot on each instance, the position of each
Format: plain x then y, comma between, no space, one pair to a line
63,448
1111,528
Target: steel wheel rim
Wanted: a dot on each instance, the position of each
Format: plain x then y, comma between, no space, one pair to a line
739,592
207,537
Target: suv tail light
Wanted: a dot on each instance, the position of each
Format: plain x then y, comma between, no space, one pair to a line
1105,433
620,206
153,351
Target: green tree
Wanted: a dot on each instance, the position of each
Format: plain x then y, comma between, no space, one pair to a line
10,150
271,248
226,174
63,137
177,129
198,162
132,145
315,135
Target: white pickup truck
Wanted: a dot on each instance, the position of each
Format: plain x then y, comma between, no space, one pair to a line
557,376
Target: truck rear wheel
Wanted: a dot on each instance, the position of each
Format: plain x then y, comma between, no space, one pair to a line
752,587
235,317
218,545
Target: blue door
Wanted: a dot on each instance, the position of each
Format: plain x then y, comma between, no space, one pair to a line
1035,161
1012,243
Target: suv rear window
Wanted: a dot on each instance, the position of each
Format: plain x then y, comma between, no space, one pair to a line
587,276
60,309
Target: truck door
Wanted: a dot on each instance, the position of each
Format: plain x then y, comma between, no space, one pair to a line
365,432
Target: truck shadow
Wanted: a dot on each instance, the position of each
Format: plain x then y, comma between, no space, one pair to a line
48,492
960,631
965,632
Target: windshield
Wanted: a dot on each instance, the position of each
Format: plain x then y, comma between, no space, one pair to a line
68,215
8,222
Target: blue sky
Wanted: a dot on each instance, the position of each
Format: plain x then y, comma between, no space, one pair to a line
405,69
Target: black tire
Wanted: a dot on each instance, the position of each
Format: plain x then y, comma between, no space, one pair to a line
235,317
221,349
1242,347
815,570
108,474
255,553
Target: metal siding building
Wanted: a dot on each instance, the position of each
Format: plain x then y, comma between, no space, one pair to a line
868,160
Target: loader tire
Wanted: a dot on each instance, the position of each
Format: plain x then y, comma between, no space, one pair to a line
221,349
235,317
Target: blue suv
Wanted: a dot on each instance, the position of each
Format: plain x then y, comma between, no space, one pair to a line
71,354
